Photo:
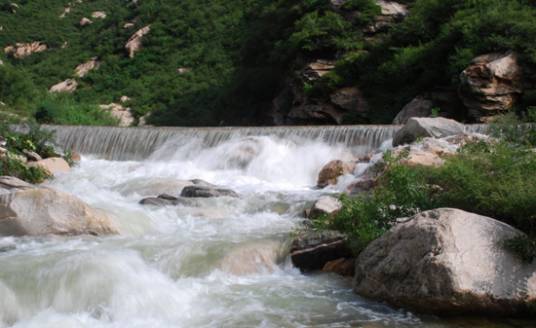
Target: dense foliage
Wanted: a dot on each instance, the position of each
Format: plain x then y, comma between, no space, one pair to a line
35,139
236,55
491,179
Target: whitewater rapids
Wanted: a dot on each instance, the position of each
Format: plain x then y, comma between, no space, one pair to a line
219,262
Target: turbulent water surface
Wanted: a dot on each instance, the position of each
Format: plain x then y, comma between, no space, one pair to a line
218,262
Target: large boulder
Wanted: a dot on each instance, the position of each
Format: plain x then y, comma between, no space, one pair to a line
23,50
10,184
418,107
135,42
330,173
491,85
422,127
311,250
53,165
42,211
447,261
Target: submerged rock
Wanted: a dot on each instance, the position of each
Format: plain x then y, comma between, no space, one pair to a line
311,250
344,267
42,211
256,257
147,187
447,261
161,200
198,191
422,127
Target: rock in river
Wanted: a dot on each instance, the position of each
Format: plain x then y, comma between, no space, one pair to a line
422,127
311,250
447,261
43,211
199,191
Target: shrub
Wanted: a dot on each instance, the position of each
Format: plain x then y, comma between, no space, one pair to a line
492,179
11,166
63,110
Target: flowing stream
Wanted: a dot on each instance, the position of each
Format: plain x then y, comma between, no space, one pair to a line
219,262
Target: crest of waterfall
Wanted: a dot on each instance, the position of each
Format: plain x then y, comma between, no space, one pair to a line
116,143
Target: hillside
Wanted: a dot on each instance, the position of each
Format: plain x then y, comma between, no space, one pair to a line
260,62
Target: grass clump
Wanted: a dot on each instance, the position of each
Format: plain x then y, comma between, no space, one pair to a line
494,179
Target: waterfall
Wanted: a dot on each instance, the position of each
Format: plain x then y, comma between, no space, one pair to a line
116,143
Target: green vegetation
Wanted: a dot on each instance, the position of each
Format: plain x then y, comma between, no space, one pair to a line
35,139
237,55
492,179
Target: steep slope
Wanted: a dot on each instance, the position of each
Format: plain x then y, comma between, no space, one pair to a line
250,62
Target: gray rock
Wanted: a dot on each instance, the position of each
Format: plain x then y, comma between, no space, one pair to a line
422,127
350,99
31,155
311,250
11,184
447,261
198,191
161,200
43,211
326,205
491,85
418,107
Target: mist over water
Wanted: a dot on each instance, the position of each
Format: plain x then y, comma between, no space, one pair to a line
216,262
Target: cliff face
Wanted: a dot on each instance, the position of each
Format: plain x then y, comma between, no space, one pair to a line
251,62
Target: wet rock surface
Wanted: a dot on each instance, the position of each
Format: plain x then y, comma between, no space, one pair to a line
311,250
199,191
42,211
422,127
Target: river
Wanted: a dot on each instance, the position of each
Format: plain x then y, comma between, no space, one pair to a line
219,262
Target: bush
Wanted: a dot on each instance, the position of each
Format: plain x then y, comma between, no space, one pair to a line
11,166
63,110
35,139
491,179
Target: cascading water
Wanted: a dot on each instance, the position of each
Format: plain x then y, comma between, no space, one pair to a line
215,262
